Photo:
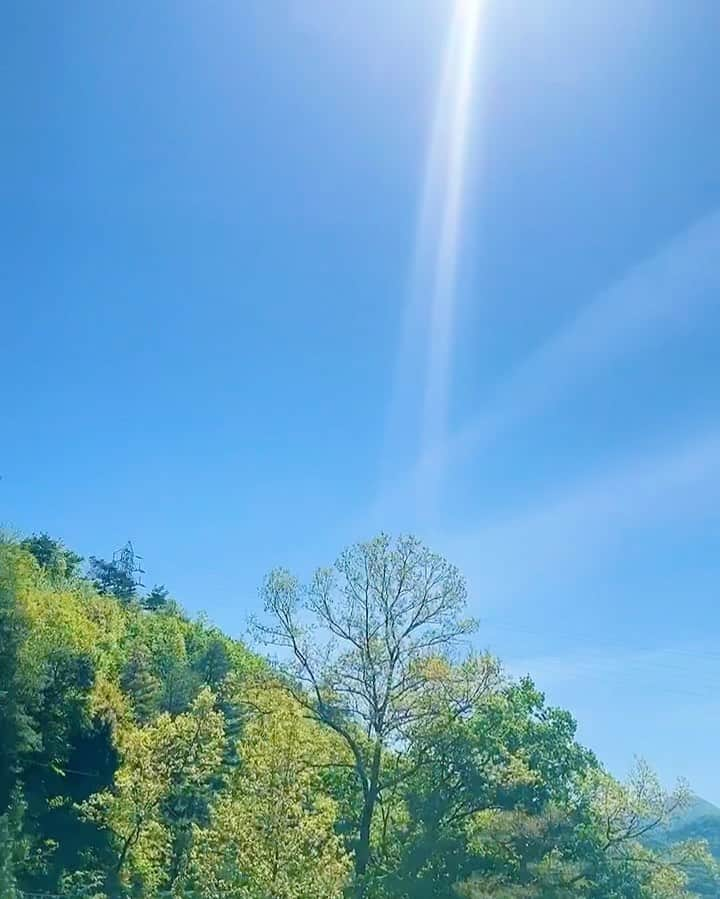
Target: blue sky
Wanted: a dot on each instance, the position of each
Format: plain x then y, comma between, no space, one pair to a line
220,320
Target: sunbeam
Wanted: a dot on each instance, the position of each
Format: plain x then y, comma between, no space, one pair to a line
440,236
430,318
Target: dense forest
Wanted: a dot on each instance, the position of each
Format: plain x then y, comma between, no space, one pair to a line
353,747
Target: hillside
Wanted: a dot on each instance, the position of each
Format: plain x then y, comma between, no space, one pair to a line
699,822
146,754
705,828
699,810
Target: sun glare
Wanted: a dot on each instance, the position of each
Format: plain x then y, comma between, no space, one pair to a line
444,194
432,300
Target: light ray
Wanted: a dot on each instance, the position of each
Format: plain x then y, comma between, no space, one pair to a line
426,351
444,192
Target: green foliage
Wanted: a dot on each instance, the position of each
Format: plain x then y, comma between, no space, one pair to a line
380,616
156,599
52,555
17,732
272,829
698,825
13,845
509,764
140,684
110,579
166,769
79,673
147,755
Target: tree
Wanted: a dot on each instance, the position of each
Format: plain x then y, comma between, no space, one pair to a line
499,770
163,763
272,831
585,845
140,683
377,620
109,578
18,734
52,555
624,815
214,664
13,845
156,599
149,755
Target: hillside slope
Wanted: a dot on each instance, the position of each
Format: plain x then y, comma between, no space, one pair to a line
145,755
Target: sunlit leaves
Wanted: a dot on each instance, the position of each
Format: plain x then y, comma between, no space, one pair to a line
158,762
272,832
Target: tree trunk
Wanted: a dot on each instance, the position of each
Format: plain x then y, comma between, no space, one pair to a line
362,852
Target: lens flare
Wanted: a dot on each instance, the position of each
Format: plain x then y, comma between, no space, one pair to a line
426,352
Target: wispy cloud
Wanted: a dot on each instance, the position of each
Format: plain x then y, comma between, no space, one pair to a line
568,532
659,297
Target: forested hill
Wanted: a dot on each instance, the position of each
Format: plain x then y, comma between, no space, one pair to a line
698,822
144,754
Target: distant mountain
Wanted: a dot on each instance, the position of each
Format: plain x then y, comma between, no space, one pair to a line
697,810
700,821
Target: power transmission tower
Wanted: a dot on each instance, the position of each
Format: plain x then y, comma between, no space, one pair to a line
129,562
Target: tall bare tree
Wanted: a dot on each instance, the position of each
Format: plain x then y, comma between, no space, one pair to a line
360,642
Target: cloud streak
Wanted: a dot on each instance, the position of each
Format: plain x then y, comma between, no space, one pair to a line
659,297
565,534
